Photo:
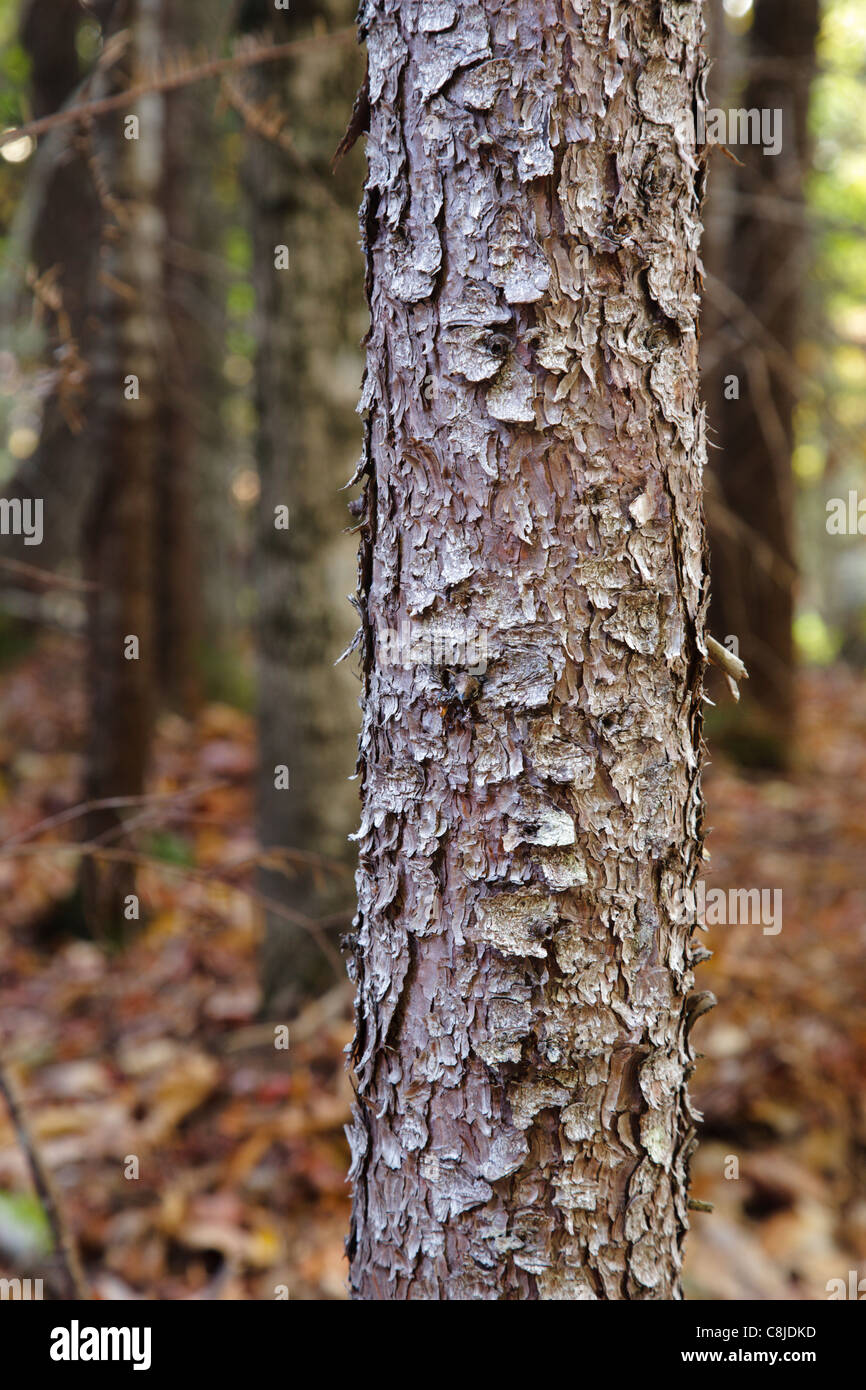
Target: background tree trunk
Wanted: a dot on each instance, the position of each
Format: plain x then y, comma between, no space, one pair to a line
757,287
533,470
48,34
309,320
58,232
186,469
723,50
121,435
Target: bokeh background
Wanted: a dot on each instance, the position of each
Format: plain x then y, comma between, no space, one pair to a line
180,361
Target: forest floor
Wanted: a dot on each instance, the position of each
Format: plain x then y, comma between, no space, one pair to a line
153,1053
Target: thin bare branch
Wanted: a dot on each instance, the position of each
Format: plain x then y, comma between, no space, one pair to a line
46,578
107,803
315,927
178,73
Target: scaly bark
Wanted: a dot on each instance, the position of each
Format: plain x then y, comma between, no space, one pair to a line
533,471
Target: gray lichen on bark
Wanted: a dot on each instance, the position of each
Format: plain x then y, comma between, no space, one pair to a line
533,471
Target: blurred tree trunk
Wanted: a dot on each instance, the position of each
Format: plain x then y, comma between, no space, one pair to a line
762,273
196,251
48,35
533,483
59,235
121,436
191,372
309,319
177,596
722,48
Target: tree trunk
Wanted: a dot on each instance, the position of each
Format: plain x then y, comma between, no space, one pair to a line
751,525
530,830
121,434
59,231
189,381
724,51
309,319
49,39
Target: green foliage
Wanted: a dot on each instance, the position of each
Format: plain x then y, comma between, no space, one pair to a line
88,42
15,68
830,454
837,200
16,640
14,78
24,1229
171,849
228,676
239,249
241,300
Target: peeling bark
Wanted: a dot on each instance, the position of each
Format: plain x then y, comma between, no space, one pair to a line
533,469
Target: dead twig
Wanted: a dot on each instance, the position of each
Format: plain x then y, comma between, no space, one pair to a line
72,369
46,578
107,803
730,154
316,927
177,72
359,121
732,666
64,1242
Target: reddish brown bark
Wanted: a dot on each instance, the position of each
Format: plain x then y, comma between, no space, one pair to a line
533,471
